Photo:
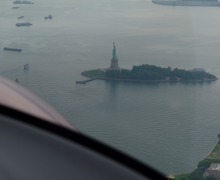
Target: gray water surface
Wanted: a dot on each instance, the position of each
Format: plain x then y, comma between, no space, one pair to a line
158,123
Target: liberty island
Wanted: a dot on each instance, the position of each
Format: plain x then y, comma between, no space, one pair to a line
146,73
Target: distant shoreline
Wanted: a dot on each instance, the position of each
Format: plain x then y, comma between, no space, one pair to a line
186,3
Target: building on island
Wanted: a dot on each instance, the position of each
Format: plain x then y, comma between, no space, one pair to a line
114,61
213,171
198,70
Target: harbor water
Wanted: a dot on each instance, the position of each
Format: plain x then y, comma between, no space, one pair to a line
161,124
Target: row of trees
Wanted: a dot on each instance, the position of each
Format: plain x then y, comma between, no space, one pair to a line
197,174
151,72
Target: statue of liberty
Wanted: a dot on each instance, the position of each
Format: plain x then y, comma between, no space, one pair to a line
114,61
114,52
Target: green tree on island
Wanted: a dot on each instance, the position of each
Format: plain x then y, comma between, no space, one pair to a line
151,72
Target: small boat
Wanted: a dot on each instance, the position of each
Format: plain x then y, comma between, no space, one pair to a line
26,66
23,24
15,7
20,17
48,17
12,49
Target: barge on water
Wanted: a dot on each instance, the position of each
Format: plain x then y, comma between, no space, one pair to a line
12,49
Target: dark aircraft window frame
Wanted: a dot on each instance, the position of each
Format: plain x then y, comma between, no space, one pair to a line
83,140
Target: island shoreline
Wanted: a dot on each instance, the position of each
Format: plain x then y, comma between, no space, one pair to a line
85,73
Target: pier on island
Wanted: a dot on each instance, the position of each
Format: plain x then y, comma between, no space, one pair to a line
85,81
